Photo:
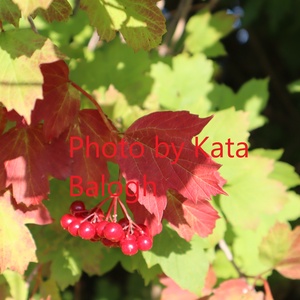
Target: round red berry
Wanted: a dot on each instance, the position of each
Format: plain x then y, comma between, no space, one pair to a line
66,220
109,243
129,247
86,230
144,243
74,226
100,226
124,222
113,232
77,206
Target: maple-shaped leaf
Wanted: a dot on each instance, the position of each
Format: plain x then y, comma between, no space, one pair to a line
59,10
61,102
236,289
280,250
183,168
141,23
17,247
188,218
21,53
87,140
25,164
27,7
9,12
172,290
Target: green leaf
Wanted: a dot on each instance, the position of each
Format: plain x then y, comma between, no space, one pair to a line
49,288
21,53
186,263
27,7
252,97
9,12
18,286
275,245
140,22
111,65
65,268
184,84
204,31
248,178
294,87
138,263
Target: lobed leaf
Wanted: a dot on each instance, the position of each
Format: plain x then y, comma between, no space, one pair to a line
280,249
204,30
141,22
21,53
174,255
195,178
236,289
61,102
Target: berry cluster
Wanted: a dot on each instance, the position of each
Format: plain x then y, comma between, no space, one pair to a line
94,226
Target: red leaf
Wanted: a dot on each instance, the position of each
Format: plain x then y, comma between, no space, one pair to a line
172,291
193,177
25,164
188,218
236,289
34,214
142,216
61,102
92,133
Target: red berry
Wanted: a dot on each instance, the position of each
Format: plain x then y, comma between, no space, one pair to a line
131,238
143,229
144,243
109,243
100,226
113,232
129,247
66,220
74,226
77,206
123,222
86,230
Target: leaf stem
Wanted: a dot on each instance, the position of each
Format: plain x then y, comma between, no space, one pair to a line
107,122
32,25
225,248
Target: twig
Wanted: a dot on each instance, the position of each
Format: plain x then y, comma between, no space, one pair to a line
93,41
76,7
224,247
32,25
176,26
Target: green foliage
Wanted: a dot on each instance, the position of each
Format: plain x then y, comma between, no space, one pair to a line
42,259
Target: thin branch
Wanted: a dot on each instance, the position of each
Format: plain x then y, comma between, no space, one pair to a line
32,25
176,26
224,247
76,7
107,122
93,41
